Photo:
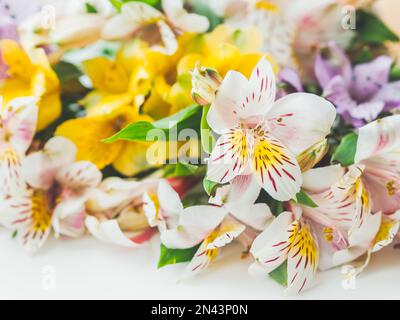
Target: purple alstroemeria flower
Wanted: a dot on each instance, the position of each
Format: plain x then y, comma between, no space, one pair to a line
359,93
289,82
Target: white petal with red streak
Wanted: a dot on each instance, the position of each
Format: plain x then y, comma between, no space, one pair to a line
300,120
79,175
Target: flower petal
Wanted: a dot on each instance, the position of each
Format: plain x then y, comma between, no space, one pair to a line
271,246
276,169
387,231
19,118
321,179
378,137
300,120
230,155
79,175
195,224
40,168
224,111
109,232
302,259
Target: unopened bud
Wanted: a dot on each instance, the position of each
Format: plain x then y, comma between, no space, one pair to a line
311,156
205,83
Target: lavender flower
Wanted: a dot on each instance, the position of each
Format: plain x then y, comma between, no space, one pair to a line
359,93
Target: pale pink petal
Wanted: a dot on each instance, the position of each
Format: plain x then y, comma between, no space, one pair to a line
300,120
195,224
224,112
320,179
79,175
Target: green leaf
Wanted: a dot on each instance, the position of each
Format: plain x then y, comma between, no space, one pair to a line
394,73
66,71
372,30
188,118
303,198
118,3
345,152
173,256
202,8
207,138
90,8
180,170
280,274
364,56
210,186
275,205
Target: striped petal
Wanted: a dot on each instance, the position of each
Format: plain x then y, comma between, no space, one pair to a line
11,179
209,249
230,155
31,216
79,175
302,257
270,248
275,168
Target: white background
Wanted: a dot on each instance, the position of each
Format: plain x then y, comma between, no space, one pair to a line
88,269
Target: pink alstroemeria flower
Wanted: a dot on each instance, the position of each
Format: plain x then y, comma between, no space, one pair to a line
261,137
56,190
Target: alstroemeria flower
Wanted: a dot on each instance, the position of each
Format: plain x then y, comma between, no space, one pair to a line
147,22
116,213
378,150
211,226
262,137
17,127
289,237
360,93
55,195
31,75
342,218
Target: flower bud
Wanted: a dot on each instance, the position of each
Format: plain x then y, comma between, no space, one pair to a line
311,156
205,83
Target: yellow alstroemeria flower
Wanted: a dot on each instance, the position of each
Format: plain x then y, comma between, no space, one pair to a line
31,75
128,158
222,50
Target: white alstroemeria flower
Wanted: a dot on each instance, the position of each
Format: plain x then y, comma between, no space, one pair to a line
210,226
261,137
378,150
116,211
141,18
288,238
55,195
17,128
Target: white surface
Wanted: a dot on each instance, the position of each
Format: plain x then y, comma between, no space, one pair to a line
86,268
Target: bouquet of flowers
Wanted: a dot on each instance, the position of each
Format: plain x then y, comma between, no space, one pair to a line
273,123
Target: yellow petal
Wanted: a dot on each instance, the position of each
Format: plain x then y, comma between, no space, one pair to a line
87,134
20,66
49,110
132,159
107,75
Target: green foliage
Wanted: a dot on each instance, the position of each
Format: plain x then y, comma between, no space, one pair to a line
188,118
210,186
173,256
303,198
207,138
180,170
280,274
345,152
118,3
370,29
